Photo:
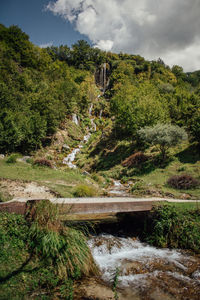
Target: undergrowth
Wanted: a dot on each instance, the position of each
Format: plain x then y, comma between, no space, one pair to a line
174,228
39,256
85,191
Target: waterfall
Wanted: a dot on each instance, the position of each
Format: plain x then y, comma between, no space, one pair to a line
94,126
75,119
100,114
71,157
101,77
104,77
90,109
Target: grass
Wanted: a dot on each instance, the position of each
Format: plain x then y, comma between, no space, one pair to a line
174,227
40,257
85,191
60,181
185,206
158,178
104,156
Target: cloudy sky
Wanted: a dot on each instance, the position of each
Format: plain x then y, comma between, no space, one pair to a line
168,29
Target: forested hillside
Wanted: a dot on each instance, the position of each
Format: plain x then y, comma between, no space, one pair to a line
128,104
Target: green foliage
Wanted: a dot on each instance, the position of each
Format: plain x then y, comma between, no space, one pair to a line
174,228
36,91
138,106
85,191
40,254
63,248
115,283
164,135
12,158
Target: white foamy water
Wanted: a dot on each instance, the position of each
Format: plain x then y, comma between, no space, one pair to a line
134,260
75,119
71,157
118,189
90,109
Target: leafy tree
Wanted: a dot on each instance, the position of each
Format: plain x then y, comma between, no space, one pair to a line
163,135
195,126
137,106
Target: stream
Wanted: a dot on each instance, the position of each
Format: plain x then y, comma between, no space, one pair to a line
70,158
146,272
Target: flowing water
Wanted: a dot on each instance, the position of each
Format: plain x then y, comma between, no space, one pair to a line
69,160
118,190
71,157
149,272
75,119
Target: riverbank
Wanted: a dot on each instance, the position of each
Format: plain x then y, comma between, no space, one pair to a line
129,267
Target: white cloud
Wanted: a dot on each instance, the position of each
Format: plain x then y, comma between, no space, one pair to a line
46,45
152,28
104,45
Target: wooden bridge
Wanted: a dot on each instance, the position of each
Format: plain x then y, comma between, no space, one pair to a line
89,207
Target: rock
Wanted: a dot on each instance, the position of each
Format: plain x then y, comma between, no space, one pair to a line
65,147
2,156
23,159
185,197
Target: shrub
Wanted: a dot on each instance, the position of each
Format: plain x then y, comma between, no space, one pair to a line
163,135
169,227
12,158
85,191
64,248
43,162
183,182
135,160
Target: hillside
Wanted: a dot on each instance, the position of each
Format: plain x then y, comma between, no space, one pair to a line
56,100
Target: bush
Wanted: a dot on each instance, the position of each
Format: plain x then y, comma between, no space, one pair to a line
85,191
43,162
61,247
135,160
163,135
183,182
42,252
169,227
12,158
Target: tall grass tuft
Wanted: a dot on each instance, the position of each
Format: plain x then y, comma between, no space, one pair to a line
62,247
12,158
83,190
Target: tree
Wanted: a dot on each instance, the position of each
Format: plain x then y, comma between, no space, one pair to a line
135,107
195,127
163,135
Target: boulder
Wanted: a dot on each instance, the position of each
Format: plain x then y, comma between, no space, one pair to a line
65,148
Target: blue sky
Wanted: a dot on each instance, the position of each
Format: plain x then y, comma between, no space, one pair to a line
42,26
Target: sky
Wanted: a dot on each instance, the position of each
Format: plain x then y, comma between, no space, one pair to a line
166,29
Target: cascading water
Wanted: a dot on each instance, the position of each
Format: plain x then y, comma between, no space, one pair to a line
90,109
118,190
146,269
75,119
100,114
71,157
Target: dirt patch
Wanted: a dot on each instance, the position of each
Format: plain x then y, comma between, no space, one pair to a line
29,190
